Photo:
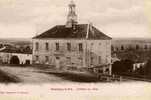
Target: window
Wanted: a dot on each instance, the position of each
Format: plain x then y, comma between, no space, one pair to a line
37,58
107,70
122,47
57,58
91,60
112,48
130,47
100,59
57,46
137,47
145,47
68,60
69,46
47,46
37,46
80,47
100,71
46,58
117,49
91,47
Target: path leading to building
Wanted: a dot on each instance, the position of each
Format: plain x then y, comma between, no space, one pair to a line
31,75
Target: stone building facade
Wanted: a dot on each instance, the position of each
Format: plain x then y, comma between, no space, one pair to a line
73,45
11,55
15,58
131,44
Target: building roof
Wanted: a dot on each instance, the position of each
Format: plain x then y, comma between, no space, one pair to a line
15,50
79,32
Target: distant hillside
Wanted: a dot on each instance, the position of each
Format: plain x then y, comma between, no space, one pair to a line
131,39
16,41
27,41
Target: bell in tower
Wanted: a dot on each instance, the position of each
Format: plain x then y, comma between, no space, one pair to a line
72,17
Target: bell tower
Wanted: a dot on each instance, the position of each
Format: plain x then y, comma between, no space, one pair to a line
72,16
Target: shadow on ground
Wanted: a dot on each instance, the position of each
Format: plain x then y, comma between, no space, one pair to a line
77,77
7,78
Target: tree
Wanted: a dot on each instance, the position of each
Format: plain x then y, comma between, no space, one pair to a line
122,66
147,68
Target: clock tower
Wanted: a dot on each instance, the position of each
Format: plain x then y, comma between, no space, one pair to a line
72,16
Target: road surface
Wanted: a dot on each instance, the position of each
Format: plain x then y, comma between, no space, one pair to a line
30,75
35,75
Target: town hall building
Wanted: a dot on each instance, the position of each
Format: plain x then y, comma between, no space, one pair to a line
73,45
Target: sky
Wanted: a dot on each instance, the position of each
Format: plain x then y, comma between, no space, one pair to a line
116,18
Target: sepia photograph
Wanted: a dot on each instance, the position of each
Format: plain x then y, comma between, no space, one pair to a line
91,49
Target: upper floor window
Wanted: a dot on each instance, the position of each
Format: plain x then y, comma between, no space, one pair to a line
57,46
46,58
80,47
100,59
47,46
69,46
37,45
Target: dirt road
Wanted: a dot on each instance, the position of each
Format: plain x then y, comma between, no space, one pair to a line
30,75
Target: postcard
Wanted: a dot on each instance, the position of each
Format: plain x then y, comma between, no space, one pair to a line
75,49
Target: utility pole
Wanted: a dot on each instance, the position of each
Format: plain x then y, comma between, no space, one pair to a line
85,49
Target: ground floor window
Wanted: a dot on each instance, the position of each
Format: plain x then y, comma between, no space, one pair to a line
100,59
37,58
107,70
91,61
27,62
57,58
100,70
68,60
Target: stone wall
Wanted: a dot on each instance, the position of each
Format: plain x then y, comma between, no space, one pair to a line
97,50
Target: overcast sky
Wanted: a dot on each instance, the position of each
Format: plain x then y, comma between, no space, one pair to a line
116,18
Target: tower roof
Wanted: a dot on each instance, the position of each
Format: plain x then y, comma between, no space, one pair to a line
72,16
72,3
73,30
